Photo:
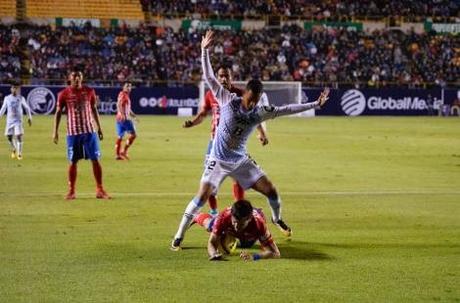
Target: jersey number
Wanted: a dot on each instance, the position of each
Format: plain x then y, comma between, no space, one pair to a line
211,165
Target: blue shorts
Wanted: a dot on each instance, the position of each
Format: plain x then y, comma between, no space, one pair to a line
83,146
125,126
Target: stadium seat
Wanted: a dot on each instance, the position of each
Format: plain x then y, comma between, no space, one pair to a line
87,9
8,8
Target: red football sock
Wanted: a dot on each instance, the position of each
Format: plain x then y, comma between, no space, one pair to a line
200,218
97,170
72,176
238,192
129,142
212,202
118,146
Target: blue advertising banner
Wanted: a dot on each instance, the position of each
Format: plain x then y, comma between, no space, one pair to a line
163,100
380,102
160,100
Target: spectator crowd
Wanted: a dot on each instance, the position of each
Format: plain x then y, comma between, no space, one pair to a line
331,9
149,54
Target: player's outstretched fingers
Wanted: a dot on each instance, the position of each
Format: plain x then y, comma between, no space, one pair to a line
245,255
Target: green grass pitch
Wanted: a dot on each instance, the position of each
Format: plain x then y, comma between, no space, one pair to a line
374,204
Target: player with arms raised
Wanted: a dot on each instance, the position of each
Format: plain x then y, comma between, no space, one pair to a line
238,118
82,142
224,77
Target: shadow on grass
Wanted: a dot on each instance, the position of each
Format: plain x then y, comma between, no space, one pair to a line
299,250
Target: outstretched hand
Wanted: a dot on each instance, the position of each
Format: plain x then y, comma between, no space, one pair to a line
323,97
207,39
187,124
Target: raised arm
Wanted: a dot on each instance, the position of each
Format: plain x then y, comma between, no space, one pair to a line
271,112
222,95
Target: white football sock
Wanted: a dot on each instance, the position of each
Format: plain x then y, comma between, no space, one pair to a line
275,205
19,145
192,209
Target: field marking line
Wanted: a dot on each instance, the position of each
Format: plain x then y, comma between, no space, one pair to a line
191,194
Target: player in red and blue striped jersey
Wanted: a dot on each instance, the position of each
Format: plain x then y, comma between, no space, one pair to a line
82,142
124,122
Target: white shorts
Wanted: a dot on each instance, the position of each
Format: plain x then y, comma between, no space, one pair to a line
245,172
14,129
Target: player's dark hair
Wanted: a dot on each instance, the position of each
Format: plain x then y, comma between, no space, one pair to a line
255,86
15,83
224,67
76,69
127,82
241,209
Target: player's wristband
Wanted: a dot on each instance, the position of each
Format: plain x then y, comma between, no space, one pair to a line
256,257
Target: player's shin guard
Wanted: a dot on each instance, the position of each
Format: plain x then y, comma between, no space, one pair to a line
238,192
191,210
275,205
212,200
118,146
97,171
129,142
72,177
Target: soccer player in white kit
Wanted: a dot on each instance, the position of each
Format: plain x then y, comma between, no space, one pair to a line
13,104
239,116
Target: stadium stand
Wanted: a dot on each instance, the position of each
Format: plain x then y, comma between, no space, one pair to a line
147,54
316,9
159,53
102,9
7,8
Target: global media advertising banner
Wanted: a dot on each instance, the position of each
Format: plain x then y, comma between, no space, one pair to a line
145,100
379,102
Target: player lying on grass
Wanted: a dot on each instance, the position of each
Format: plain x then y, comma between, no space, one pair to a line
228,157
240,224
224,76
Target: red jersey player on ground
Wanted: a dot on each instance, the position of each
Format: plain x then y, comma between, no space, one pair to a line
82,143
124,122
241,222
224,76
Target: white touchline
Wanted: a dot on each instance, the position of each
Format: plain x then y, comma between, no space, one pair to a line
293,193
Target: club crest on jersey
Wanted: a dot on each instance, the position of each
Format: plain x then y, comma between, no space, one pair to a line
269,108
41,101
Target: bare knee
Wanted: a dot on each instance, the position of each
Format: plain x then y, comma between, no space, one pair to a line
204,192
266,187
